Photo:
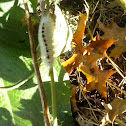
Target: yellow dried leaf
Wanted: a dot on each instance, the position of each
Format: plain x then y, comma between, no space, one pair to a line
78,35
96,79
73,62
88,56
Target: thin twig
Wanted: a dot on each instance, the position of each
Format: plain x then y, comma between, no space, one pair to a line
96,25
91,109
110,84
81,87
95,7
116,67
36,68
84,119
120,122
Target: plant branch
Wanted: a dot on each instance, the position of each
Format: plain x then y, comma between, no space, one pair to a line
36,68
53,92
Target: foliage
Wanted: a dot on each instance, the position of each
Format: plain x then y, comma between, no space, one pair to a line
22,106
96,50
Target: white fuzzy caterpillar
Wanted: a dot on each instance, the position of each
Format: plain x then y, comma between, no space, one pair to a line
46,39
53,36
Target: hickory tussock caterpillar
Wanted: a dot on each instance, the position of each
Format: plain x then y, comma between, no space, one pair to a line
53,35
46,39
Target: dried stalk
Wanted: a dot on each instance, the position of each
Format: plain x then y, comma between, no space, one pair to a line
36,68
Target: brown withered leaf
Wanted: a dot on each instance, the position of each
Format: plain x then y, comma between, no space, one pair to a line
89,56
78,35
113,31
116,107
73,62
77,58
96,79
101,45
90,59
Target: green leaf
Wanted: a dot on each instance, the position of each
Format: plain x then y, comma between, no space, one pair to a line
62,92
22,106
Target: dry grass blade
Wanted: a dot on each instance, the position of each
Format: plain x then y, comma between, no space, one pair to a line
92,110
81,91
122,74
116,68
124,92
84,119
120,122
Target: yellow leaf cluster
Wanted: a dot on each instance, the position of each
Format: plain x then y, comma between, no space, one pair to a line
84,59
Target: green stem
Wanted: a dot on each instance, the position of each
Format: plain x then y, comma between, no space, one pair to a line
53,92
47,2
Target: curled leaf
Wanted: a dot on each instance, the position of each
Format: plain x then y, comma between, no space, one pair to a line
72,62
96,79
116,107
78,35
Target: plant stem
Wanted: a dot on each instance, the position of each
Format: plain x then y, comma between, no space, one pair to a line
47,2
53,92
36,68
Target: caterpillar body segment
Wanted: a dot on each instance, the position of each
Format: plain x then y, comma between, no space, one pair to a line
53,35
46,39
